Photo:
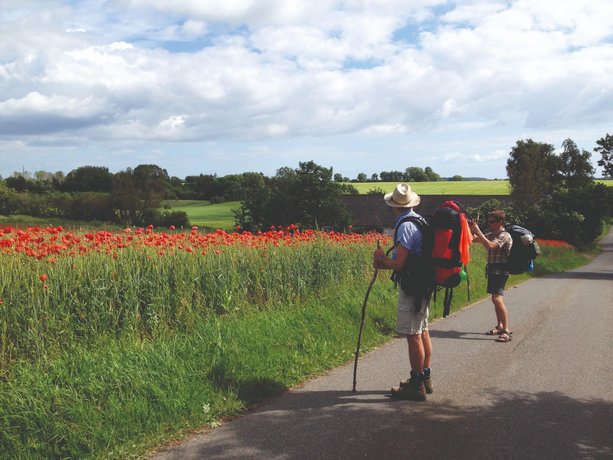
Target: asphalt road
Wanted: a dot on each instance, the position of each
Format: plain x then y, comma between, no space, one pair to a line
548,394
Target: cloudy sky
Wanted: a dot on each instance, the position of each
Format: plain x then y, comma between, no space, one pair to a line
228,86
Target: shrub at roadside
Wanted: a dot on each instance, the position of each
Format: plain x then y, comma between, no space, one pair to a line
576,216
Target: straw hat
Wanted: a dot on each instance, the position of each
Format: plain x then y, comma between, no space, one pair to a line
402,197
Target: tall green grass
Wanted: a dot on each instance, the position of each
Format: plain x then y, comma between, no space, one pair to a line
126,397
139,292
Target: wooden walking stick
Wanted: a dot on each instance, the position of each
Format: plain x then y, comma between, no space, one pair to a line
357,348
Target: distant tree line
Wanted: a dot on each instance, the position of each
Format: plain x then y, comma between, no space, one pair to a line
131,197
306,195
554,194
410,174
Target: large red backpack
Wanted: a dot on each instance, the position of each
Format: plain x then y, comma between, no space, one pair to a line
450,241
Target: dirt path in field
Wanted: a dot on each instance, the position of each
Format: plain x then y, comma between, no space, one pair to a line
547,394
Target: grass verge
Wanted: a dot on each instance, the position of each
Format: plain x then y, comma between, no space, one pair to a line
118,400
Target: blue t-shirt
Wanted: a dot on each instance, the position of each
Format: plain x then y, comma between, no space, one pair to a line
409,235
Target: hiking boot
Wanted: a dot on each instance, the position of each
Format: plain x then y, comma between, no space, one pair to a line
410,392
427,384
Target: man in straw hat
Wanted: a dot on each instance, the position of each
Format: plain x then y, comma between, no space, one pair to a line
412,311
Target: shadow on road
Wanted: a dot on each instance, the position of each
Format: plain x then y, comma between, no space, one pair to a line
606,275
249,391
463,335
338,425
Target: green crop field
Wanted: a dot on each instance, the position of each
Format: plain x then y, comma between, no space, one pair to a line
483,187
203,214
477,187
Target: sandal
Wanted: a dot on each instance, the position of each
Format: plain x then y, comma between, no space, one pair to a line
504,338
498,331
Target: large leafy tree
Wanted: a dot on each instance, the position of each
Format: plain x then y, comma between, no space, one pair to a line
230,187
8,200
318,198
282,205
392,176
152,182
204,186
432,176
124,197
18,183
307,196
252,214
415,174
136,192
575,165
88,179
533,171
605,148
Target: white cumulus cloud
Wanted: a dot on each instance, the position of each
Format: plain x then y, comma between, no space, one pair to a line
242,72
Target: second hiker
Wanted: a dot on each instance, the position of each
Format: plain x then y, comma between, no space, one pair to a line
412,310
498,243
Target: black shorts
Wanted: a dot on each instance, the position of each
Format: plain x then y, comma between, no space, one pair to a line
496,283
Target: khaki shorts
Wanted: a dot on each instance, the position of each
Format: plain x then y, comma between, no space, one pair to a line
411,320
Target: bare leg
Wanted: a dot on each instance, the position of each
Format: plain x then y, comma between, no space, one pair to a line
427,344
501,311
416,353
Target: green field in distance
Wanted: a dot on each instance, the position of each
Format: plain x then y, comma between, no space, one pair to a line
203,214
477,187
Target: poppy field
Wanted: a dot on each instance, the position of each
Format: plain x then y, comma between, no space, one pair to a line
59,287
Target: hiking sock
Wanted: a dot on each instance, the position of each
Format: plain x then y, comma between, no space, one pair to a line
417,379
427,381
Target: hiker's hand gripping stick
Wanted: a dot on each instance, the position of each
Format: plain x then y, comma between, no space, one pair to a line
378,256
